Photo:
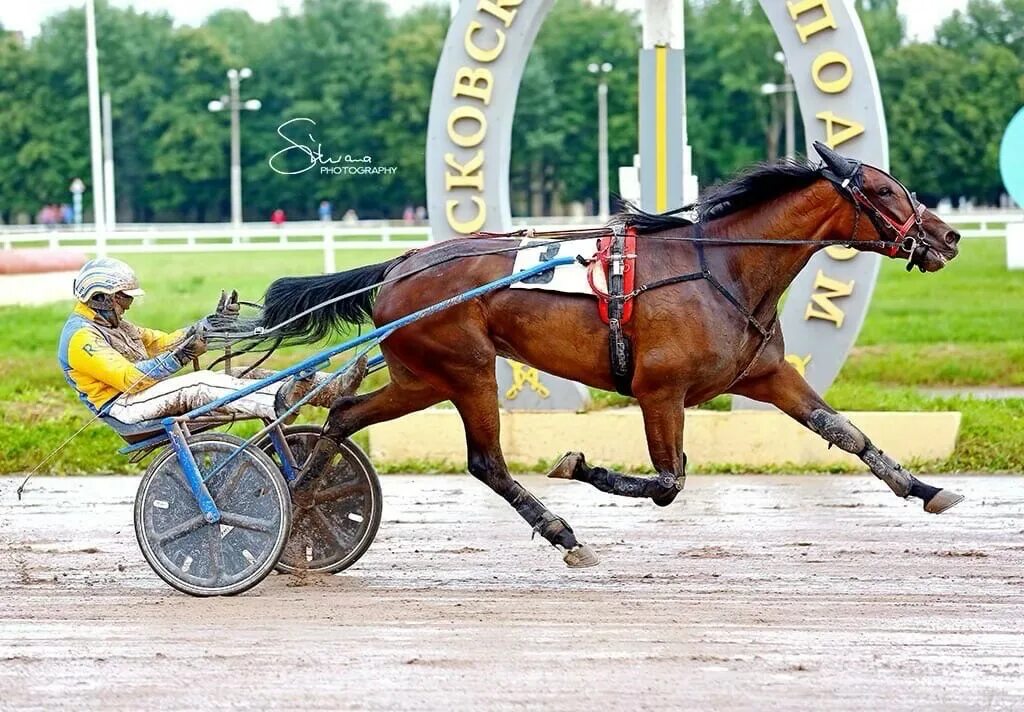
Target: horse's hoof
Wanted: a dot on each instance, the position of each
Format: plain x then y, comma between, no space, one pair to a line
580,557
665,499
671,492
942,500
565,467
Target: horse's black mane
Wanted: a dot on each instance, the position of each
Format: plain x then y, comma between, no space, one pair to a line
755,185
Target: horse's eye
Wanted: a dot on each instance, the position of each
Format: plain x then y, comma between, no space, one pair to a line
885,190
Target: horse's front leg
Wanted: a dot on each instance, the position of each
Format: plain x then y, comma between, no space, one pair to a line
479,412
663,423
789,392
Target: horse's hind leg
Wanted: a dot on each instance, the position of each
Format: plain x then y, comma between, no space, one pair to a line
663,422
479,411
350,414
790,393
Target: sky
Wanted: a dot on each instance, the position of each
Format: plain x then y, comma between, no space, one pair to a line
922,15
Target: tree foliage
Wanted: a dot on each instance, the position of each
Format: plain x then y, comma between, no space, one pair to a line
365,76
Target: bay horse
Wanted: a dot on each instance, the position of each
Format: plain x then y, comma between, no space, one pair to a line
750,238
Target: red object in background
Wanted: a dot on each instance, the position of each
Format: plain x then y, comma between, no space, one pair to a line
29,261
277,217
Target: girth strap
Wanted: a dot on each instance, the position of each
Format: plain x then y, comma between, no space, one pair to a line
620,349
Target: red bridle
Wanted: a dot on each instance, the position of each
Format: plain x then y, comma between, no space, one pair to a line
904,241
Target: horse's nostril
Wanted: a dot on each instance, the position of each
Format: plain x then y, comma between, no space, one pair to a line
952,238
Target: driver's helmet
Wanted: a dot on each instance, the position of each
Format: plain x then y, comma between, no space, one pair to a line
105,275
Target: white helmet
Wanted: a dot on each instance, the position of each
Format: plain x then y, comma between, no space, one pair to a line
105,275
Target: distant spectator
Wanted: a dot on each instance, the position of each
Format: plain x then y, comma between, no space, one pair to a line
325,210
409,214
277,217
350,216
421,212
49,215
67,214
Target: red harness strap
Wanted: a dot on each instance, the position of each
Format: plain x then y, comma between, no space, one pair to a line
598,272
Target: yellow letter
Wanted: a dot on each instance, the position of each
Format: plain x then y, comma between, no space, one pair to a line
836,85
469,174
825,22
834,138
475,83
838,252
469,113
478,53
466,227
826,309
800,364
498,9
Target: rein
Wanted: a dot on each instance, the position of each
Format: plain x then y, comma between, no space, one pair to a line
848,186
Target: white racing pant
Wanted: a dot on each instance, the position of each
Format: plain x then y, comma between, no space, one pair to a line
179,394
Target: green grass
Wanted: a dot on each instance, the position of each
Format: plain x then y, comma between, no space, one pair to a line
963,326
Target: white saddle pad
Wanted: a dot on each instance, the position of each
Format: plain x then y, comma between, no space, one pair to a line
568,279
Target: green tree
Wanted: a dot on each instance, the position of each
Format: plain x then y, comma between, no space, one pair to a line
998,23
537,139
191,145
575,34
883,25
946,124
408,76
730,49
322,64
18,76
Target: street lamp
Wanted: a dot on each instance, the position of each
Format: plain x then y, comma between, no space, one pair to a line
601,70
95,123
235,105
789,90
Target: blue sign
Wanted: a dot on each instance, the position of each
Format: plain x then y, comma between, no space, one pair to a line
1011,158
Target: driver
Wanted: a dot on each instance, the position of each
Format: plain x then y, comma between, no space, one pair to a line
127,372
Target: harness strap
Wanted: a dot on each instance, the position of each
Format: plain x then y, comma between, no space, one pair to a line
620,348
766,333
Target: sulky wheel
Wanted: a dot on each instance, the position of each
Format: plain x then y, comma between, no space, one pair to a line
336,516
219,559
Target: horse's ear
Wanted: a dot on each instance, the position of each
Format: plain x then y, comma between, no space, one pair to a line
840,165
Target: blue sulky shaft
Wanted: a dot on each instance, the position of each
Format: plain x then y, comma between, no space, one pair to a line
172,425
380,333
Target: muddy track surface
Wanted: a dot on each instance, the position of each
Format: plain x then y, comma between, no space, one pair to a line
749,593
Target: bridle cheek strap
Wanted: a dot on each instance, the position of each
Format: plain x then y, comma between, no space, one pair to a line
902,230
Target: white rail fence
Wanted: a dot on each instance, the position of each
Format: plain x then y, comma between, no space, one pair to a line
325,237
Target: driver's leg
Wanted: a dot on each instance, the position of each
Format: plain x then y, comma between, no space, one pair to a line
180,394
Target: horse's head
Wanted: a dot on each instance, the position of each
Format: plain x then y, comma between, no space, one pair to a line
902,226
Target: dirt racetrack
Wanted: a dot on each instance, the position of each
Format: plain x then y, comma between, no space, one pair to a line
750,593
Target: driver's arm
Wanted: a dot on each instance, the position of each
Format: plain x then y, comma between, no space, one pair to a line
156,342
90,354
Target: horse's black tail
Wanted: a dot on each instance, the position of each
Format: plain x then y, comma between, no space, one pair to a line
290,296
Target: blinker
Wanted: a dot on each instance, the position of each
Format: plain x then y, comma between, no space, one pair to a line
841,166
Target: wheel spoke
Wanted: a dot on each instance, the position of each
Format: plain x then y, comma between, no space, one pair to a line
232,478
326,528
186,527
333,494
216,554
178,478
245,522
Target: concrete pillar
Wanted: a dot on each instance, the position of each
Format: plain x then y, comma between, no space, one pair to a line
666,172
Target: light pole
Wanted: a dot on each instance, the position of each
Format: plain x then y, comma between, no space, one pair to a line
95,127
601,70
789,90
234,103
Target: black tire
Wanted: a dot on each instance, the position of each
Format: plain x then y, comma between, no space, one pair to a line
220,559
331,535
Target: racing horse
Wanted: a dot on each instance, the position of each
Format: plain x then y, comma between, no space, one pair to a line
704,323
